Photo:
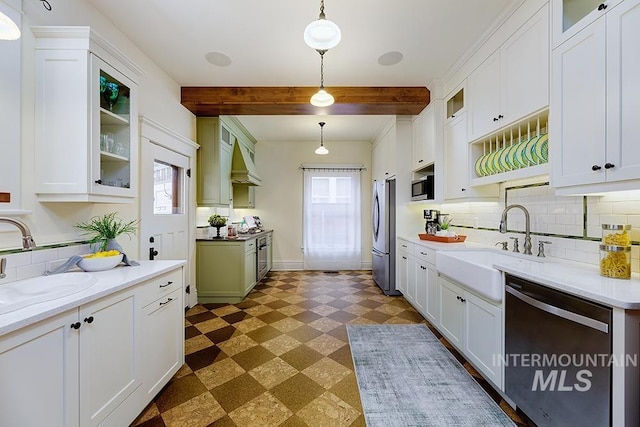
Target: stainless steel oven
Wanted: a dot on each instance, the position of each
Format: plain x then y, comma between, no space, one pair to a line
556,351
262,258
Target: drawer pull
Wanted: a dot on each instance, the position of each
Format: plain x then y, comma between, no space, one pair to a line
167,301
423,253
169,283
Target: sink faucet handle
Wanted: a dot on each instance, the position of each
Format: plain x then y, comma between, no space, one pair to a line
505,245
3,267
515,244
541,247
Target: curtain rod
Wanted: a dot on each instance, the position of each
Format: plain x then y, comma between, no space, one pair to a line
333,168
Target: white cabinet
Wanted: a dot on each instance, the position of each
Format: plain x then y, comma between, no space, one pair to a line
98,364
457,166
384,155
214,162
405,251
39,366
86,115
424,138
596,129
571,16
474,326
514,81
417,278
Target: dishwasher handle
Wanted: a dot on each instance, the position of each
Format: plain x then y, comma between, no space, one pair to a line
557,311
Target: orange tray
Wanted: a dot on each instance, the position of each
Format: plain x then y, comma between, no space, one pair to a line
442,239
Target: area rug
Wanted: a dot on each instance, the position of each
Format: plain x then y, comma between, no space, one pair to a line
407,377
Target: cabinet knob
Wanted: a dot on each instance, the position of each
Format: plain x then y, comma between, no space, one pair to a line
98,181
76,325
609,165
463,189
89,319
500,116
463,300
420,161
602,6
596,167
495,119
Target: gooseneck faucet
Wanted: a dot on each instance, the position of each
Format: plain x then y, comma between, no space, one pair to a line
527,232
27,240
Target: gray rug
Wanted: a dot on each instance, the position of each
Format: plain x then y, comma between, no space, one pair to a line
407,377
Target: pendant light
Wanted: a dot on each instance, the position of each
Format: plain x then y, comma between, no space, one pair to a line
322,149
322,34
8,29
322,98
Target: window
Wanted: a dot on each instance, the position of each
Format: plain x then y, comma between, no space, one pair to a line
167,185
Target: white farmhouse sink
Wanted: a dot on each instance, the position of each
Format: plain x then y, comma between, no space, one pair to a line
474,269
16,295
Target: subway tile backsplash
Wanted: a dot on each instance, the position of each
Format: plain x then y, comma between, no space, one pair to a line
571,223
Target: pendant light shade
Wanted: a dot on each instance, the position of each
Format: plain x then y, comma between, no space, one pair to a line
8,29
322,98
322,149
322,34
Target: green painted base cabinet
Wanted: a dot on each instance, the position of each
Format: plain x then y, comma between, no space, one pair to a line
225,271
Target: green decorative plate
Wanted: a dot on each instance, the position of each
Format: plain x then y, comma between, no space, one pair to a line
478,166
497,164
504,162
511,152
488,164
542,148
518,157
529,151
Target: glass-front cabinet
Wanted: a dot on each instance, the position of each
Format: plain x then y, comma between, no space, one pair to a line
86,131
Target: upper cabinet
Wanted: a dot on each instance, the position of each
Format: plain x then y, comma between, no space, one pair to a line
424,136
384,155
594,104
571,16
513,82
214,162
86,118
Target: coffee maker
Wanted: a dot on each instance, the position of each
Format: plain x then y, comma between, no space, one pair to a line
431,217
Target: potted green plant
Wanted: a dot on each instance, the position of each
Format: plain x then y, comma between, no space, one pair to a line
217,221
102,231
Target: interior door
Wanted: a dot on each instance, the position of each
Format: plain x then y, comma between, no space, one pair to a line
163,201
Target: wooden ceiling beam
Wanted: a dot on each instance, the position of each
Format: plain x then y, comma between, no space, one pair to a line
270,100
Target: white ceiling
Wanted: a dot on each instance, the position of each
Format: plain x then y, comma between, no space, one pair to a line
264,41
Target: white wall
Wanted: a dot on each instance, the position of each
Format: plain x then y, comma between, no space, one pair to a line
279,198
159,101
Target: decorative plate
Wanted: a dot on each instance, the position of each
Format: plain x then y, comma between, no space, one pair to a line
488,165
511,154
542,148
497,164
504,162
517,154
529,151
478,166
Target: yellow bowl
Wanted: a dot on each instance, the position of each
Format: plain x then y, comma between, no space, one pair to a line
99,263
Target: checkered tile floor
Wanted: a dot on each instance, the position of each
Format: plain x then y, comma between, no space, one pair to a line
281,357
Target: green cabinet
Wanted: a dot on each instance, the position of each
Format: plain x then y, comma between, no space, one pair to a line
244,196
225,270
214,162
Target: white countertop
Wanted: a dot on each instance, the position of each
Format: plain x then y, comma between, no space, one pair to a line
108,282
575,278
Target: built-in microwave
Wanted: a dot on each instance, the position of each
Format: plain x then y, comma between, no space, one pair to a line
422,189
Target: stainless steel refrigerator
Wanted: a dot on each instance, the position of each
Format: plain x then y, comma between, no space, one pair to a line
384,236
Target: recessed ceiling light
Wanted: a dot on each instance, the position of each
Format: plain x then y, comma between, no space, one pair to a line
218,58
390,58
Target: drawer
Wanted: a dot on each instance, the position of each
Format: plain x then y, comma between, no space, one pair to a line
425,254
160,286
250,245
405,247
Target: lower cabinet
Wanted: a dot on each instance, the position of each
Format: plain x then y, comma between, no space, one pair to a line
474,326
225,270
417,278
90,365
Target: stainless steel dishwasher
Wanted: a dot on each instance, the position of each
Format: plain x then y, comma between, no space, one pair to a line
557,349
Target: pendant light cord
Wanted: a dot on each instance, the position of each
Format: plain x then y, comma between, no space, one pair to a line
322,15
322,68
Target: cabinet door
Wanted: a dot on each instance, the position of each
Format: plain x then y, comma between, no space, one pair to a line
226,156
451,312
578,100
423,138
525,69
403,273
420,302
377,162
208,189
250,266
433,296
571,16
163,337
109,354
483,336
623,91
457,158
484,97
39,371
411,280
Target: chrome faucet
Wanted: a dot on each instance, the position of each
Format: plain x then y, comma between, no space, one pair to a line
527,232
27,240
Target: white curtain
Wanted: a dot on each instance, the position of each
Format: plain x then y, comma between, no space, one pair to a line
332,219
